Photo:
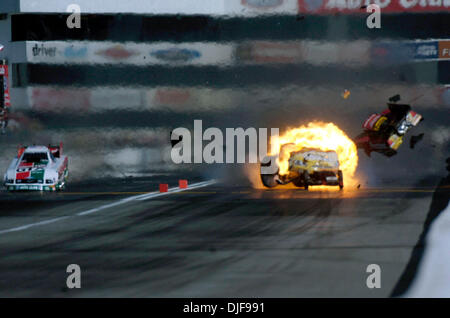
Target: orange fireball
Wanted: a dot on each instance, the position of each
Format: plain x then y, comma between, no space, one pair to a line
319,135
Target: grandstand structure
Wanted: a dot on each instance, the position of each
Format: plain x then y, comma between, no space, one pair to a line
184,54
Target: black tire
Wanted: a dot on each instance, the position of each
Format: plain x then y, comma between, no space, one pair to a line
340,180
298,182
269,180
306,180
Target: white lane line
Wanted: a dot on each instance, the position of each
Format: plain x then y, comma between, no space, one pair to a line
140,197
433,276
152,195
24,227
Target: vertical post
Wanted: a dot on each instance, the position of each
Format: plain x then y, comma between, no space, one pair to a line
2,87
4,103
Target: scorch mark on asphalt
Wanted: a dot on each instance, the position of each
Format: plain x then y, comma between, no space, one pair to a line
142,197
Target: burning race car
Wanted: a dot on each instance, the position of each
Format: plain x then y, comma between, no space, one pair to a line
384,133
37,168
307,166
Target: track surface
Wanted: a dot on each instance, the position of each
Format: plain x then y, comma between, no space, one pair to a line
216,241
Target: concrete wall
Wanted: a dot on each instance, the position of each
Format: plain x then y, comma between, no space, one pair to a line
8,6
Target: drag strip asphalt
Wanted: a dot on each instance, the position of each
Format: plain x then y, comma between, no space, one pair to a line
218,241
144,196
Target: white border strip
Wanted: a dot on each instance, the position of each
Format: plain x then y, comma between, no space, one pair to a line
140,197
433,277
159,7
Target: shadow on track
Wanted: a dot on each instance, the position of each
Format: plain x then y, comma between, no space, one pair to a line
439,202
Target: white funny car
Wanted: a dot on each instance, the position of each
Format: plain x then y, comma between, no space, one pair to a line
38,168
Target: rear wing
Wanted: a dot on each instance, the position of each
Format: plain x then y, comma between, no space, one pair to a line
56,151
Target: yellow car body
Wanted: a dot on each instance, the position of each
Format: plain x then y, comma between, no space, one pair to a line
312,160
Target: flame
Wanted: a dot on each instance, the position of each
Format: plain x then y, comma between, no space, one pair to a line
320,135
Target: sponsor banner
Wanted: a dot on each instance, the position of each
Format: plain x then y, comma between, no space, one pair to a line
351,54
191,54
4,73
390,52
173,54
425,50
359,6
444,49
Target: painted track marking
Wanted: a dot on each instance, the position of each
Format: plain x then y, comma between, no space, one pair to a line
348,190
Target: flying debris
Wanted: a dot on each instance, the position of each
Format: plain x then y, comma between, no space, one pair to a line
384,132
345,94
414,140
395,98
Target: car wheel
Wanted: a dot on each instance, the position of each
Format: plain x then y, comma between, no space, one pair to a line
306,180
340,180
269,180
298,182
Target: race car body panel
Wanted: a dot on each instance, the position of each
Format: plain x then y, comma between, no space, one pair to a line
395,141
384,133
37,168
413,118
308,167
374,122
313,160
